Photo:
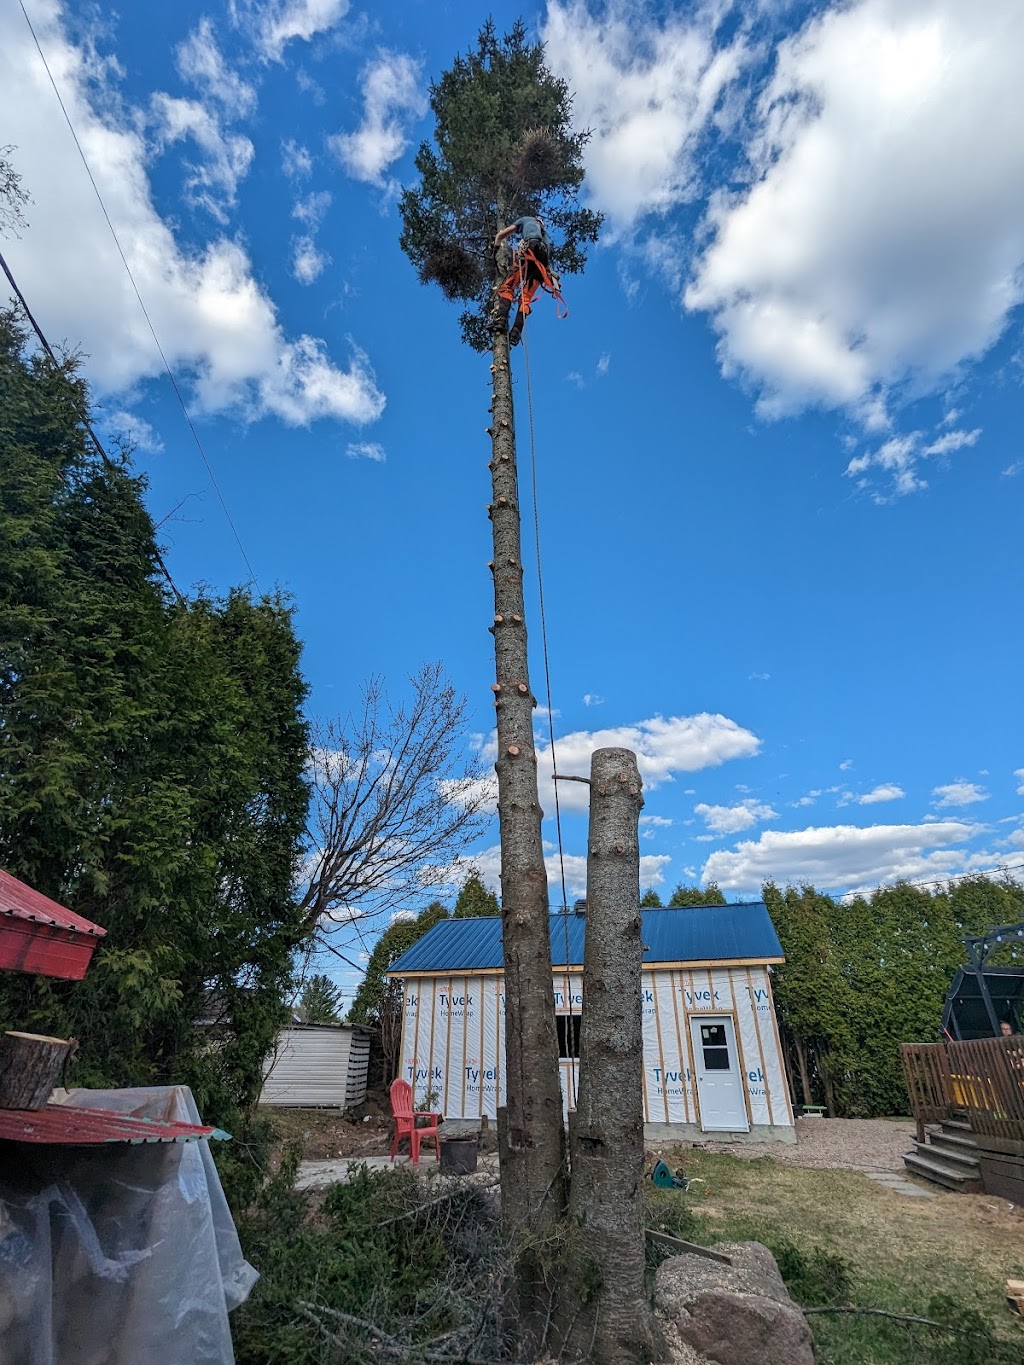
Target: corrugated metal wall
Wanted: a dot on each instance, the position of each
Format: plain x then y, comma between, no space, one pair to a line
318,1066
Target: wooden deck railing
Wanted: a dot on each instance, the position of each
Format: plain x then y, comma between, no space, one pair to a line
987,1080
926,1071
984,1078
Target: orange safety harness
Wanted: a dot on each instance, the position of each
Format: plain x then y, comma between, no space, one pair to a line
519,277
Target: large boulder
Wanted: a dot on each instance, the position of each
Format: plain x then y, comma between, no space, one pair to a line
739,1314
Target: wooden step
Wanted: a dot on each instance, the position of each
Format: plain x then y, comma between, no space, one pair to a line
958,1127
929,1169
963,1160
953,1142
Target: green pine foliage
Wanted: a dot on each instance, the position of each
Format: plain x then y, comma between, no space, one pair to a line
475,900
694,895
863,976
650,900
399,936
504,147
153,758
320,1001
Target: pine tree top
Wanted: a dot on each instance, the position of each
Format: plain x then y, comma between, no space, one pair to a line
504,147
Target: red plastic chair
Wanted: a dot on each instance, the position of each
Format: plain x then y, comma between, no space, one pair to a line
405,1122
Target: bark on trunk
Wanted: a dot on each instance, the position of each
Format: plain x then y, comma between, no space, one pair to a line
805,1080
30,1066
534,1158
604,1311
787,1063
826,1080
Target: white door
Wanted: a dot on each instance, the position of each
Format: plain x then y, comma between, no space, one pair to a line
719,1078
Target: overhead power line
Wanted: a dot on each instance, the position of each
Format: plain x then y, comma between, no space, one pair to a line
82,412
943,881
138,295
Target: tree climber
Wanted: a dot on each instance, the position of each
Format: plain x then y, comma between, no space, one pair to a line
531,270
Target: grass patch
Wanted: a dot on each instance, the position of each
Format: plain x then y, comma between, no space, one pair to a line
841,1238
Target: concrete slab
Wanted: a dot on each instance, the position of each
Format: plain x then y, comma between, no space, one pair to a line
891,1181
317,1175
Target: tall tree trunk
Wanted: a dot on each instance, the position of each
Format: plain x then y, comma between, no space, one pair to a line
533,1158
821,1062
805,1080
603,1310
787,1062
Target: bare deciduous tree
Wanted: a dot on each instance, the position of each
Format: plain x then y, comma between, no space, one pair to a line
396,796
12,197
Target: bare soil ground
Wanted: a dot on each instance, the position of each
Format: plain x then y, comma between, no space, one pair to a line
835,1145
363,1130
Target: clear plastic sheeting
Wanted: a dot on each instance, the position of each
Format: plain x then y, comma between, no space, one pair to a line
118,1254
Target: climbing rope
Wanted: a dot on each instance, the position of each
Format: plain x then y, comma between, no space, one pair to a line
547,698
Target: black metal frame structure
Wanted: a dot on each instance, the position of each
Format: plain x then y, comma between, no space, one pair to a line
979,946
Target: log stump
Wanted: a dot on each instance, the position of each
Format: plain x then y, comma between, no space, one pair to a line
30,1067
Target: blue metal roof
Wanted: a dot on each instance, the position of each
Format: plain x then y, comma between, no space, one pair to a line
699,933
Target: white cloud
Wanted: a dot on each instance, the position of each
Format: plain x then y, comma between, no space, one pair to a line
366,450
1019,772
959,793
218,327
1012,470
308,261
900,456
136,429
758,677
488,863
592,699
199,60
392,97
664,746
648,91
213,182
880,242
341,914
953,440
846,765
885,791
733,819
603,364
296,161
844,856
311,209
275,23
657,821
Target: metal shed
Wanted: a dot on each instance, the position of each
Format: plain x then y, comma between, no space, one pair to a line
318,1065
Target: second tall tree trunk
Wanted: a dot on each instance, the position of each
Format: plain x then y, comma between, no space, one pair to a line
604,1312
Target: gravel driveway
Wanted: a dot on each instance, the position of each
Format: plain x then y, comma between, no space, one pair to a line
835,1144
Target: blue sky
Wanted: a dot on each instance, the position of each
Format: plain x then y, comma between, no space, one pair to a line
778,438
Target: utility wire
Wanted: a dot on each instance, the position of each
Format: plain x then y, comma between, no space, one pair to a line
142,305
943,881
82,412
569,1042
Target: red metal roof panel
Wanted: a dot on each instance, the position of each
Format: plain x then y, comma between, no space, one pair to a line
63,1124
21,901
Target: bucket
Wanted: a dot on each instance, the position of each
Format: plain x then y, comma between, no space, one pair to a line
458,1155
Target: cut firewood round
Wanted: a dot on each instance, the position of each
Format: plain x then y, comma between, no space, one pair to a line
30,1067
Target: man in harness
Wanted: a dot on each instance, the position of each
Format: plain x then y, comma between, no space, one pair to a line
531,271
